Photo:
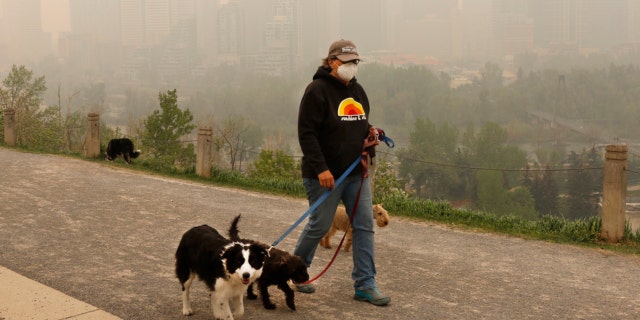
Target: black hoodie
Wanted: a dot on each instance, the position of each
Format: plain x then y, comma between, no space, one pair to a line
332,125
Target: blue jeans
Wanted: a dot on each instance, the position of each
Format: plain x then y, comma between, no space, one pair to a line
320,220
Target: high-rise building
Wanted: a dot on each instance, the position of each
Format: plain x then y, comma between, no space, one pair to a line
149,22
282,50
240,28
179,46
206,37
602,24
471,38
319,27
98,18
420,31
261,35
512,27
633,21
132,23
93,41
578,24
156,21
21,33
366,22
230,25
158,36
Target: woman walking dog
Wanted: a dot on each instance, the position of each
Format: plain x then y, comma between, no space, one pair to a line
333,130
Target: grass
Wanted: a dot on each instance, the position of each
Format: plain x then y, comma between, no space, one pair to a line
582,232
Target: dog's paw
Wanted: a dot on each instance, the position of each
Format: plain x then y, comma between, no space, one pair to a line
252,296
291,304
187,311
325,243
269,305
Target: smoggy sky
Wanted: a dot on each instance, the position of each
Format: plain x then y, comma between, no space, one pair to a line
55,16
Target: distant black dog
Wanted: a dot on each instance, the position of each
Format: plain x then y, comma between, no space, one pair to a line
226,267
121,147
279,267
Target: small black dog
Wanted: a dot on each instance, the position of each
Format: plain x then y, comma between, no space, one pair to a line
279,267
121,147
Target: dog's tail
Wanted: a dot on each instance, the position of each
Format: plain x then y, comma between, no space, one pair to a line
135,154
233,230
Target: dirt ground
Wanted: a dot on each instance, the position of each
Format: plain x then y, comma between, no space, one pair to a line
107,235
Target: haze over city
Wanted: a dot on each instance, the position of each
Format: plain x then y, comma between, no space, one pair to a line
145,46
435,32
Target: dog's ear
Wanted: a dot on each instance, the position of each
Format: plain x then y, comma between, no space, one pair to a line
277,257
282,259
259,255
264,252
231,250
297,267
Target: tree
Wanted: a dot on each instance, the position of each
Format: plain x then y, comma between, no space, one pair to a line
430,144
22,92
521,203
238,136
387,183
492,196
45,130
489,149
163,131
275,164
528,177
547,203
73,129
543,188
490,76
583,185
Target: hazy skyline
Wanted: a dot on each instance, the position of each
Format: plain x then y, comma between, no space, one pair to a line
118,53
124,38
55,17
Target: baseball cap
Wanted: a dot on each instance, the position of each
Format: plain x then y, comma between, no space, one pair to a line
344,50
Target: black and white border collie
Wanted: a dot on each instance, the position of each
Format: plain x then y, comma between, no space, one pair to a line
121,147
226,267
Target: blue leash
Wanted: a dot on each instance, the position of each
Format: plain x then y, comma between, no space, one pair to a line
388,141
384,138
318,202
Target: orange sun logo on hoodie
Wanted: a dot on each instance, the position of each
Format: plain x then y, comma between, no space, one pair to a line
351,110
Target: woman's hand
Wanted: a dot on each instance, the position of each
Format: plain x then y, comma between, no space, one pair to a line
372,139
326,179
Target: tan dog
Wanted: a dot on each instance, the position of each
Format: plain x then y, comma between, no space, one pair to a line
341,220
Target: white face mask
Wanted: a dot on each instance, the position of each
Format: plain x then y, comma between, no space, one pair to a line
347,71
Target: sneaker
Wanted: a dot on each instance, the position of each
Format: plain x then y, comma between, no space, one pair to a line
372,295
305,288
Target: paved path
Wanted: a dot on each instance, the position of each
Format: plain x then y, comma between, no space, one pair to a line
23,298
104,237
